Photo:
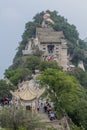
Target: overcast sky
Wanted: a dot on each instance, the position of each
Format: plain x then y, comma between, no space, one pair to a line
15,13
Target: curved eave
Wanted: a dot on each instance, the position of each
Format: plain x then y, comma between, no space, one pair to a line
25,99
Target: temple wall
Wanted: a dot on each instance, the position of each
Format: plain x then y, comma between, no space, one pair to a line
64,58
47,39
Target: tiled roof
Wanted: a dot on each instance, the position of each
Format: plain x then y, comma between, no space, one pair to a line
49,39
49,35
28,93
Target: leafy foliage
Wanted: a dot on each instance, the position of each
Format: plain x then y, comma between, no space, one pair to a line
67,94
17,63
61,24
18,75
74,127
80,75
32,62
45,64
19,119
78,54
5,88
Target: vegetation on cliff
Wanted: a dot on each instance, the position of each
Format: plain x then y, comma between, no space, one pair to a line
68,89
76,46
67,95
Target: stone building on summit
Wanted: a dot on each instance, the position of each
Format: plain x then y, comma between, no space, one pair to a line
52,43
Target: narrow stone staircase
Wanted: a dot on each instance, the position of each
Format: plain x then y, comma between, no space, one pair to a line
57,124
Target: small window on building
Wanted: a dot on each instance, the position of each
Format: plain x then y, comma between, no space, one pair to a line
44,49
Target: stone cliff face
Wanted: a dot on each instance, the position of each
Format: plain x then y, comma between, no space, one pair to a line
81,65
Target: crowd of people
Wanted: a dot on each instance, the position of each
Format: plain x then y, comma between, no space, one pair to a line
46,107
5,101
49,110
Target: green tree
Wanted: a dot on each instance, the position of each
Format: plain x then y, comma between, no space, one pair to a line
45,64
19,119
5,88
78,54
66,94
32,62
80,75
18,74
17,63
